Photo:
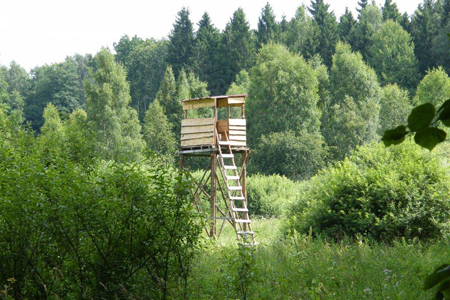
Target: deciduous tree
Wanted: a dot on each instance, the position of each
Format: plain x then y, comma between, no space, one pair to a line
115,123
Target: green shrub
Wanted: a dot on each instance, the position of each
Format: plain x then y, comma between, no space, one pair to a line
379,192
106,231
269,196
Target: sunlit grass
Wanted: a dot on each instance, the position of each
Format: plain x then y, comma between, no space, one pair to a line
306,268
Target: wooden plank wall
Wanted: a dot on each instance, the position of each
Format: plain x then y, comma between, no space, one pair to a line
237,132
197,132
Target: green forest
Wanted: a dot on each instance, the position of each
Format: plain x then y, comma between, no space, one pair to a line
93,204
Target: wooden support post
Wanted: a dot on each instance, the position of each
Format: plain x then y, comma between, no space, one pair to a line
243,182
213,200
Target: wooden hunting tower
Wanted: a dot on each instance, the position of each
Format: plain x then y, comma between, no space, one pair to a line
220,137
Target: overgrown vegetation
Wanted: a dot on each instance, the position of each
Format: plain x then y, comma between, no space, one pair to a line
380,193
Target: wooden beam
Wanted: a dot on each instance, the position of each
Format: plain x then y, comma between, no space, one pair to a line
197,129
237,122
199,104
194,136
198,142
197,122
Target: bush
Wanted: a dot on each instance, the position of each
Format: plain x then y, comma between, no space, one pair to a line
383,193
107,231
270,196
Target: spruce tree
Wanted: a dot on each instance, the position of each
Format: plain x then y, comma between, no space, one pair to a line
267,26
181,42
115,124
327,34
362,4
168,99
346,27
425,25
370,20
237,48
390,11
206,54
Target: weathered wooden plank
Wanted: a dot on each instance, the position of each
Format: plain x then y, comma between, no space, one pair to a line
197,129
198,142
238,138
237,132
240,100
237,122
238,143
198,104
243,128
197,122
192,136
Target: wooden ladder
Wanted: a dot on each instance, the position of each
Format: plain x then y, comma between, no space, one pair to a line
238,200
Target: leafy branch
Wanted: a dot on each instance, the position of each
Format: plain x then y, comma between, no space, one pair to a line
423,122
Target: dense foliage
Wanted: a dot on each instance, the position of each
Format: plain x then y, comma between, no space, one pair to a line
382,193
270,196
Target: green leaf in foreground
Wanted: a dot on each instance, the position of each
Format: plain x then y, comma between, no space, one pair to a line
444,105
437,276
421,117
394,136
430,137
444,116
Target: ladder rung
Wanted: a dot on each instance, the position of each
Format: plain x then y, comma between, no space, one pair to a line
245,232
226,143
237,198
225,155
235,188
232,177
242,221
230,167
238,209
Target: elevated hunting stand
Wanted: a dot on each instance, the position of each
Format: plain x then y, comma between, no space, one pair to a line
220,141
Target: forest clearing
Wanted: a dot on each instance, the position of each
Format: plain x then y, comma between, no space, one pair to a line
303,159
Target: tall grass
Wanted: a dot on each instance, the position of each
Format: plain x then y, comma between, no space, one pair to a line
307,268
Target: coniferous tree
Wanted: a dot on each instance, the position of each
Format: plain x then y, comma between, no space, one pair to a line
390,11
116,124
206,54
445,14
327,33
346,26
405,21
362,4
267,26
370,20
425,27
237,48
181,42
167,97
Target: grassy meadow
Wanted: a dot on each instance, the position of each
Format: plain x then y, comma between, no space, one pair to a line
307,268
